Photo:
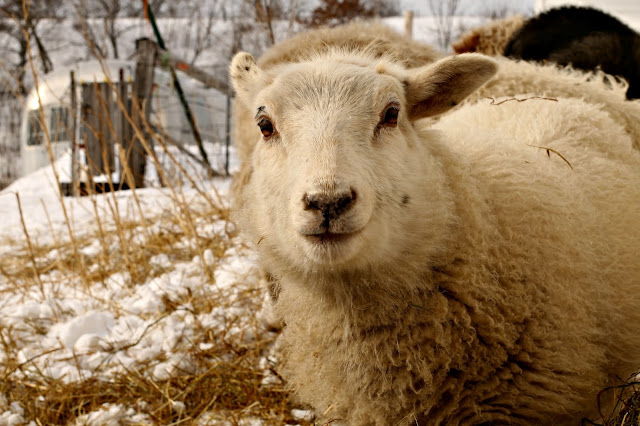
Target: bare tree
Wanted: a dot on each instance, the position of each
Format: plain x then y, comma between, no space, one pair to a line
83,26
24,37
109,12
444,12
202,16
294,6
10,118
19,22
267,11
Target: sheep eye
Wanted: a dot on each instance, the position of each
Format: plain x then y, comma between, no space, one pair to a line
266,127
390,117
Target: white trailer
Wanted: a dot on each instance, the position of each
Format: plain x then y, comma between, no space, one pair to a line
52,102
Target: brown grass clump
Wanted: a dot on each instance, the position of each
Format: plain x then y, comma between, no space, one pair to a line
232,389
225,379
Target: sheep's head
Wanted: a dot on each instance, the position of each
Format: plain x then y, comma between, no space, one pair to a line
340,178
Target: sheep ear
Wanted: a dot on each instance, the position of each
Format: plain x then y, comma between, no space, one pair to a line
246,77
436,88
468,43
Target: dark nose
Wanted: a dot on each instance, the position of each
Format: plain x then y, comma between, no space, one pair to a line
330,205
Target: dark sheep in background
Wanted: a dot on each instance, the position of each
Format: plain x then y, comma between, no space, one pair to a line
584,38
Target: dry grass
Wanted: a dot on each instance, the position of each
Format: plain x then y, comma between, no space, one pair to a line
629,413
231,389
625,402
128,243
224,380
493,101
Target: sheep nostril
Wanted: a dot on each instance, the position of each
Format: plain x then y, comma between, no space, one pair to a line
314,201
331,206
344,201
311,202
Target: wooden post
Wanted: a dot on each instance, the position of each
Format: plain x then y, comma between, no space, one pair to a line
99,129
91,129
107,138
124,130
96,117
117,119
408,23
142,85
74,143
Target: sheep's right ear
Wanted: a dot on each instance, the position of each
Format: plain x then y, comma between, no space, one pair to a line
436,88
246,77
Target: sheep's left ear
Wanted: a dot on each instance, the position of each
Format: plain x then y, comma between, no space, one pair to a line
468,43
436,88
247,77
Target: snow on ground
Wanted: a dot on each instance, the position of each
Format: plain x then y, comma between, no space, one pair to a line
69,325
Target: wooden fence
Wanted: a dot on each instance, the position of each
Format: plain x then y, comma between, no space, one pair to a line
107,111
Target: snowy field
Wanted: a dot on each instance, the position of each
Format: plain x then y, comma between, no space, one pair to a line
137,307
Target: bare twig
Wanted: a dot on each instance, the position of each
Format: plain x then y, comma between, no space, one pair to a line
549,150
493,101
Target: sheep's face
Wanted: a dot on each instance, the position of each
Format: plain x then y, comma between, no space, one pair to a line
340,178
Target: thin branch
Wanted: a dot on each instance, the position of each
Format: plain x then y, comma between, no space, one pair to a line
554,151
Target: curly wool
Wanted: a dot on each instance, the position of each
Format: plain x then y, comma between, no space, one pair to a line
525,315
515,78
490,39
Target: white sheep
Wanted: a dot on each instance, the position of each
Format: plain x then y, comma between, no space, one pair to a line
482,271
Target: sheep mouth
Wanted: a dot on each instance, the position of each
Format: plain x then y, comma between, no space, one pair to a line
326,237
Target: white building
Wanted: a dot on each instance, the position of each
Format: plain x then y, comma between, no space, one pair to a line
628,11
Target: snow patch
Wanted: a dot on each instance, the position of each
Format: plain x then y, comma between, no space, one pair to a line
96,324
